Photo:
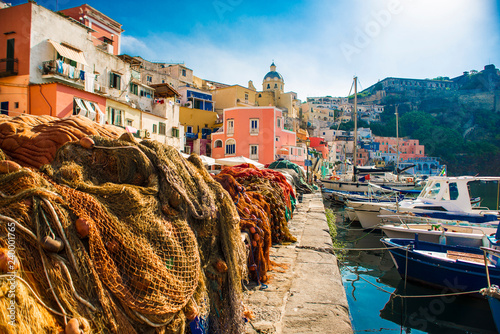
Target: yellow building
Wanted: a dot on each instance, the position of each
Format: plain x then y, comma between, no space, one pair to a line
273,94
198,125
233,96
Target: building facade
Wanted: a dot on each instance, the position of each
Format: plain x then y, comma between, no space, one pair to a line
256,133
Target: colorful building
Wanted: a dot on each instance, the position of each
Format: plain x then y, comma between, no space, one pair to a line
105,33
273,94
256,133
54,67
233,96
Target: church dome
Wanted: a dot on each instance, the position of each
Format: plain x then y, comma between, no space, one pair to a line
272,75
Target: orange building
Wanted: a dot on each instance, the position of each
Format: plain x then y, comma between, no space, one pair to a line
60,100
15,59
106,32
256,133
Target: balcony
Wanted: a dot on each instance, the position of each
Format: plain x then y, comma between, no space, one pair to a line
52,69
254,131
8,67
254,157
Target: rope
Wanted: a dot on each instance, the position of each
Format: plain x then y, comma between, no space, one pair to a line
395,295
34,294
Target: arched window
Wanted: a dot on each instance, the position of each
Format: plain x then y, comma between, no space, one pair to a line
268,86
230,146
275,85
218,143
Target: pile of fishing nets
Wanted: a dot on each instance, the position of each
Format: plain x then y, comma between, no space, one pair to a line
265,202
117,236
298,175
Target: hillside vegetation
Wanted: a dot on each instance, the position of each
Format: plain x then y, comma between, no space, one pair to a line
461,127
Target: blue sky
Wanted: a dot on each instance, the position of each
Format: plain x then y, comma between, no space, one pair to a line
317,45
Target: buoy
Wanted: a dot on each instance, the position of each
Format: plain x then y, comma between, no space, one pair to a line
82,227
8,166
87,142
53,245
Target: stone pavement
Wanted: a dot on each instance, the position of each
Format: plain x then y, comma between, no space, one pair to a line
306,295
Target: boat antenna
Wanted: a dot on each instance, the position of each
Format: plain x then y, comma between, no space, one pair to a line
355,129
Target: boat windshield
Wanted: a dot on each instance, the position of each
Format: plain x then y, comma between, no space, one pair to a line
433,191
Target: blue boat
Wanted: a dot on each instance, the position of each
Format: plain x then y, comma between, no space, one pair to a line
454,268
492,292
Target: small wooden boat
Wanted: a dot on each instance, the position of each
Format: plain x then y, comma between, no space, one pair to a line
456,268
450,234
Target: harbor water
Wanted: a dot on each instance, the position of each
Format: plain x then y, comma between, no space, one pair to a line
371,282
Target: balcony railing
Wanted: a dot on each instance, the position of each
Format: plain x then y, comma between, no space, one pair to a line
8,67
254,131
66,71
254,157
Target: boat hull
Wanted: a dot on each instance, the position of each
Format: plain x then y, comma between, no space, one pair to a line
495,310
363,186
453,275
424,234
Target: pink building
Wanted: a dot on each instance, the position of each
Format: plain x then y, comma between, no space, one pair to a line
320,145
408,148
256,133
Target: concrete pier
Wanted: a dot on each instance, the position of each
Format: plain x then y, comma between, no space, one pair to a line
305,293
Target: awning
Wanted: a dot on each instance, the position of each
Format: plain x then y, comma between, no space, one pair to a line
69,53
100,113
91,113
83,109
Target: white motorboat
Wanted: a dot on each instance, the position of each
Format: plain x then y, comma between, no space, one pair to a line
447,198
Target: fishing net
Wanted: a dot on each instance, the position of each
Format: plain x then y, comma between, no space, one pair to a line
265,202
298,175
163,245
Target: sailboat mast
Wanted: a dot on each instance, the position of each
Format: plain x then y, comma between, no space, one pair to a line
355,128
397,142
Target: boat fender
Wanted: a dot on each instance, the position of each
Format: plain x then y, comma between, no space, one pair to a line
409,180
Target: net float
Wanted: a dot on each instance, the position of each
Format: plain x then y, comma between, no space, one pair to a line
8,166
82,227
87,142
53,245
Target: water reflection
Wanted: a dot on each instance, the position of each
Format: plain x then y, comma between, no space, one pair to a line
369,278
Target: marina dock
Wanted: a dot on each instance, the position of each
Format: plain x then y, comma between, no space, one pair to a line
305,293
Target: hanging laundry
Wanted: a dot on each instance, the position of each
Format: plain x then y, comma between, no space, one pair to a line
71,72
66,69
82,75
59,65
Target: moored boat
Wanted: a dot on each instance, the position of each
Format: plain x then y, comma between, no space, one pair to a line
456,268
471,236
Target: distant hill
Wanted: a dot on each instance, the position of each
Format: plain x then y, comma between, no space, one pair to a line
458,120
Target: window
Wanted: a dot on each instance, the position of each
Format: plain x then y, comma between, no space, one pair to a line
254,152
254,126
134,89
149,78
146,93
16,105
279,123
175,132
115,116
189,129
246,97
155,128
218,143
230,146
187,149
275,85
183,72
268,86
10,54
130,122
230,126
277,138
114,80
162,128
453,191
